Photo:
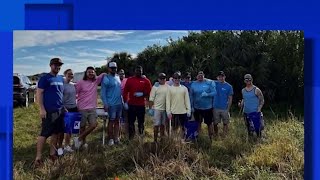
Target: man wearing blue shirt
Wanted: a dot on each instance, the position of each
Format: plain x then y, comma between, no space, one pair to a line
50,99
222,103
112,101
201,95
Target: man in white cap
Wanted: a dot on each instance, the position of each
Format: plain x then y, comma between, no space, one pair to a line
112,101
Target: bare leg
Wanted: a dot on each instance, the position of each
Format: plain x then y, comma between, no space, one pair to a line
162,130
67,138
40,142
155,133
225,129
216,130
60,140
54,140
110,129
117,128
87,131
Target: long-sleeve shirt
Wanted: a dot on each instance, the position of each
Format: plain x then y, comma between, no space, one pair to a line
87,93
197,89
111,90
177,100
133,85
158,95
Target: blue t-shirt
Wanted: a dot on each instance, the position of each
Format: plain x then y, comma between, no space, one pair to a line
224,90
53,92
111,90
198,101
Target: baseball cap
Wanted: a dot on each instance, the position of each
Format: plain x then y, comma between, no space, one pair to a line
161,75
221,73
112,65
56,61
200,73
247,76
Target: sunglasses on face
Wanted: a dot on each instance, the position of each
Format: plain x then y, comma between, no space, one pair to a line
247,79
162,78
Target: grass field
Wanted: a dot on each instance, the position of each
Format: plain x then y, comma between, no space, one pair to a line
278,156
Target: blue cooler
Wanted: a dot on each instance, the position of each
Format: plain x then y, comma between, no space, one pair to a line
254,121
191,130
72,122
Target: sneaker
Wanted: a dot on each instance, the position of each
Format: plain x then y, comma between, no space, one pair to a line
68,149
60,152
85,146
111,142
77,142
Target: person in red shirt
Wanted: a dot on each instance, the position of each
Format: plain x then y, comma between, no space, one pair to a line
136,92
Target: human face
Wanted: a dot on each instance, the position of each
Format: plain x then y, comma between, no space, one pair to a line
187,79
55,68
221,78
248,81
91,74
122,76
138,72
200,77
113,70
162,80
176,80
69,76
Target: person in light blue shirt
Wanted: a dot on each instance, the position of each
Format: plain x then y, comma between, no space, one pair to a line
201,95
252,104
112,101
222,103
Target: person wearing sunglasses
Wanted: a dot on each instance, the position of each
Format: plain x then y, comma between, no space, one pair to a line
157,106
252,104
178,106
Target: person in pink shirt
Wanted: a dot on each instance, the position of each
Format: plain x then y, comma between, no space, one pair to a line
123,79
86,90
124,117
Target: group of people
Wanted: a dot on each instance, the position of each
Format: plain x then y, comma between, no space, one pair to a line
176,101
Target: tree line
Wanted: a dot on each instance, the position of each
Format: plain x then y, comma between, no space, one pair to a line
274,58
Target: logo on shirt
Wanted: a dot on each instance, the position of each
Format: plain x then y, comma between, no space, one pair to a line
56,83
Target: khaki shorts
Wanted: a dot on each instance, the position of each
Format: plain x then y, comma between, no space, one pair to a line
89,116
219,114
159,118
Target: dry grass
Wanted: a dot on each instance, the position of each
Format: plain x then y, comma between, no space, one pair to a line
278,156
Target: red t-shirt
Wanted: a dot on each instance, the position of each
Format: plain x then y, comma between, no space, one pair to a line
133,85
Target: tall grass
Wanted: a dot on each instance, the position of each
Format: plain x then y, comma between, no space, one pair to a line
279,155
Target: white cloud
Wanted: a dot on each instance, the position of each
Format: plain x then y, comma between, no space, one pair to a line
105,51
26,58
163,32
44,38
